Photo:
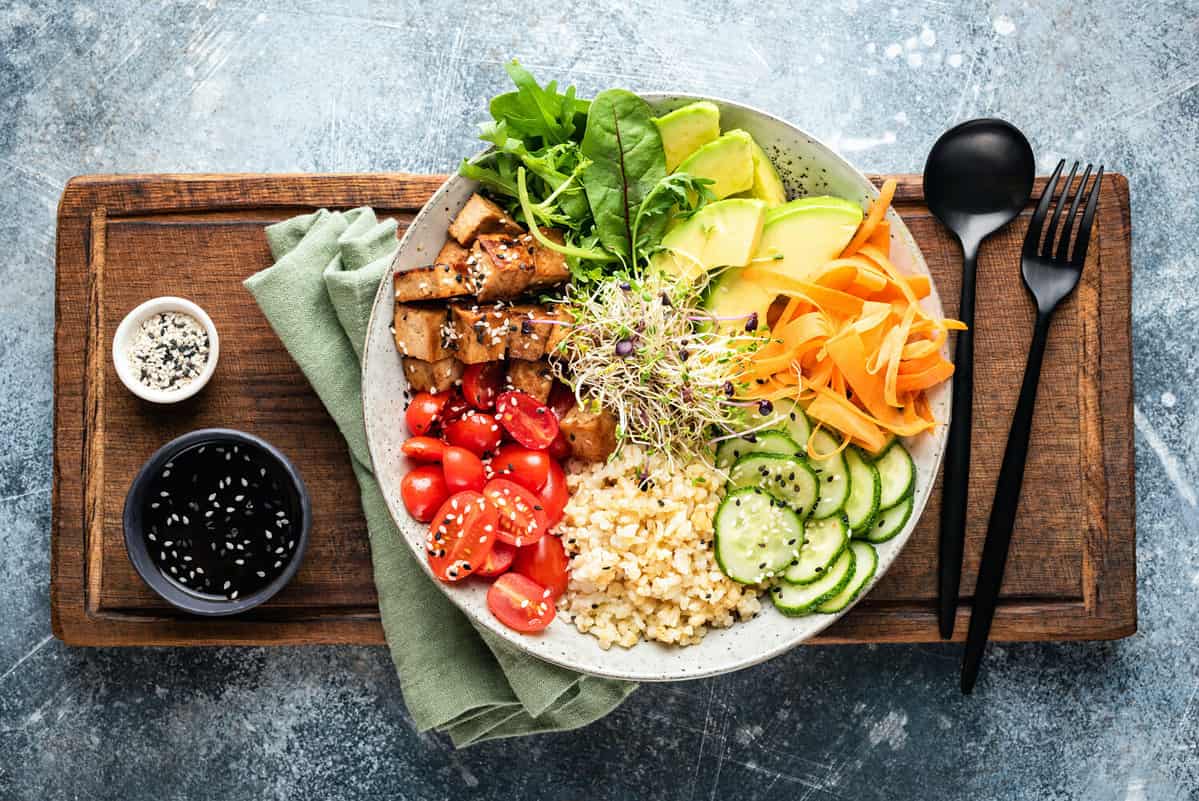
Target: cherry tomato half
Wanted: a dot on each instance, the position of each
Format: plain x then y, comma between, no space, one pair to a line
475,431
526,467
424,412
455,407
461,536
545,562
463,470
560,448
423,489
561,400
521,521
520,603
499,560
529,421
423,449
554,495
481,384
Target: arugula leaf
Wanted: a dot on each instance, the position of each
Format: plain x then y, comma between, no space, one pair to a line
678,195
536,112
628,161
533,218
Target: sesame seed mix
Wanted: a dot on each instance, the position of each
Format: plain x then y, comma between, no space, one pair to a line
169,351
231,550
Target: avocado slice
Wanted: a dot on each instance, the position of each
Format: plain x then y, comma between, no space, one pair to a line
722,233
731,295
767,185
728,161
687,129
800,236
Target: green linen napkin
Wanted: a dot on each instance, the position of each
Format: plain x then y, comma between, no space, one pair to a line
455,677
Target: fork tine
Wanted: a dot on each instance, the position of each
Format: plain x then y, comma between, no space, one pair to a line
1063,247
1084,227
1047,248
1033,237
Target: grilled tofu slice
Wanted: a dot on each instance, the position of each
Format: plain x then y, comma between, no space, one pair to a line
531,377
452,253
591,434
480,331
433,282
435,376
549,266
481,216
420,331
559,331
526,339
501,266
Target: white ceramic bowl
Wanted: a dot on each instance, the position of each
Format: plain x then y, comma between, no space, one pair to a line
127,331
807,168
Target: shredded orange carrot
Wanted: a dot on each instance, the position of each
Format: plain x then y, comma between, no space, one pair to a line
852,343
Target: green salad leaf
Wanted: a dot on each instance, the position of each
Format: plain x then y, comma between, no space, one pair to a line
536,112
676,196
627,162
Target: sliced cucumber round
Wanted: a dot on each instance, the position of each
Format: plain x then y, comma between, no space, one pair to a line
758,442
889,522
865,562
835,482
788,478
897,473
794,422
804,599
823,542
757,535
865,488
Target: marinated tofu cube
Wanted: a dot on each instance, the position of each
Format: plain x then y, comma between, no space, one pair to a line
420,332
549,266
591,434
452,253
433,282
481,216
501,266
527,331
558,329
480,332
435,376
531,377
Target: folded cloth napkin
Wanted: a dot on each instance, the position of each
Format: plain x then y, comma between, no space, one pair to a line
456,677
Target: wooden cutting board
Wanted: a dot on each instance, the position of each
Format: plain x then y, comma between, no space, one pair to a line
123,239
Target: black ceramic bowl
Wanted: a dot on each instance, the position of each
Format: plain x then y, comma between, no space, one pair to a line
219,499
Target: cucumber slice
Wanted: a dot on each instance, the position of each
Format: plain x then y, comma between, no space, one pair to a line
889,522
897,473
865,562
835,482
865,487
762,442
823,542
794,422
795,601
788,478
757,535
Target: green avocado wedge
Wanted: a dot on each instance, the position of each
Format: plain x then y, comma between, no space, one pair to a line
687,129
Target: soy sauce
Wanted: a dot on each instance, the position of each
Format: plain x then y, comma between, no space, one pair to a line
222,520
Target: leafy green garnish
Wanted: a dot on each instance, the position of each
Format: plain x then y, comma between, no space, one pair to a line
536,112
676,196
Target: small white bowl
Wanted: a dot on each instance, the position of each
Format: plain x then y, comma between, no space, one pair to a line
127,330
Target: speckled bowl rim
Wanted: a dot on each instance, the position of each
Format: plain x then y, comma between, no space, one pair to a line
138,550
812,625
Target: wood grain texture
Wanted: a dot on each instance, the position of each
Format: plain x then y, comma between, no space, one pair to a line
122,239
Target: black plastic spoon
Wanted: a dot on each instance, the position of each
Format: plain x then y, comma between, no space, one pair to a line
977,178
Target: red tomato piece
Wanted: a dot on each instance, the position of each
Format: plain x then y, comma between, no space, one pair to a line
424,411
561,400
461,536
545,562
529,421
554,495
520,603
499,560
481,384
455,407
526,467
476,431
521,520
423,490
423,449
463,470
560,448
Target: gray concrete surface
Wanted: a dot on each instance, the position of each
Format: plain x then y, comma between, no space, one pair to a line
119,85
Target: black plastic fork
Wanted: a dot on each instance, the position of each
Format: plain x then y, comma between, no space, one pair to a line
1050,274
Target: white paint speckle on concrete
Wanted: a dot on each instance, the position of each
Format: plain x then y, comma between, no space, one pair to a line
1004,25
